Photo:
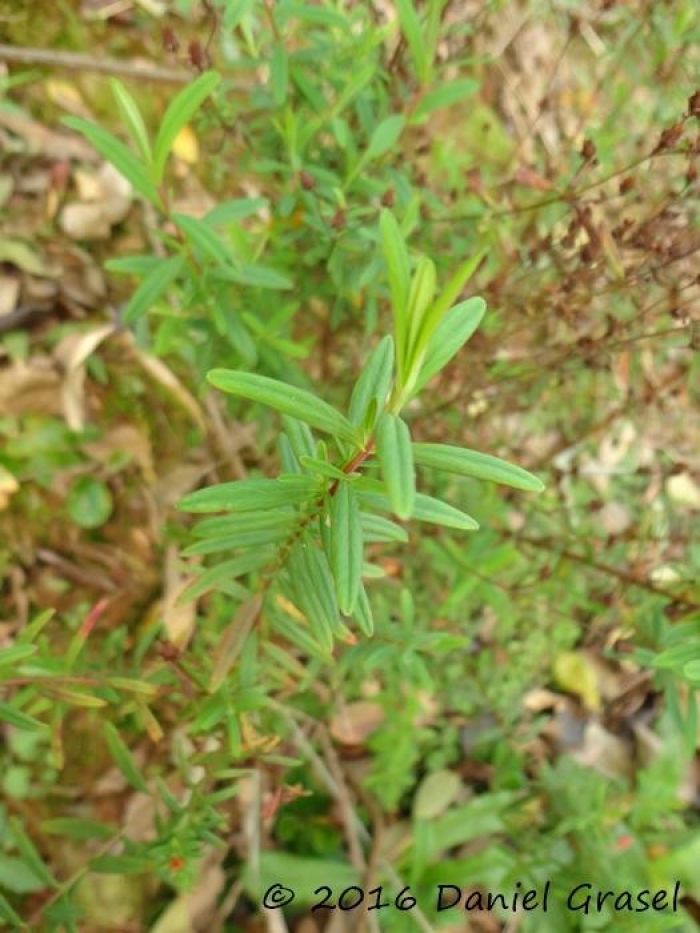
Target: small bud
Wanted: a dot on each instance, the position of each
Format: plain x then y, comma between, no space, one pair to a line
338,220
588,150
388,198
197,55
307,182
694,105
170,40
627,184
168,651
669,137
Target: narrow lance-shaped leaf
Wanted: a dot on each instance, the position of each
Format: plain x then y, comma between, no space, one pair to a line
153,286
203,238
451,334
19,719
377,528
363,613
249,495
226,571
374,382
419,300
29,854
300,437
133,119
346,549
429,509
436,313
314,593
8,914
396,457
232,641
123,759
282,519
279,74
414,36
288,399
181,110
425,509
466,462
399,274
121,157
384,137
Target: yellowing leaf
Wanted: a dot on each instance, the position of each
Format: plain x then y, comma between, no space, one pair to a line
186,146
575,672
8,487
66,96
356,722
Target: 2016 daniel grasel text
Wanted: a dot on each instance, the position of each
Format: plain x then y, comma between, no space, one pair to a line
584,898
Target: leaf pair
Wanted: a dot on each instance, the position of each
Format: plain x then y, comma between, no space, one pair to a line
145,171
425,333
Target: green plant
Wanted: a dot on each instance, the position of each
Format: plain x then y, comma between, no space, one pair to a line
318,513
335,698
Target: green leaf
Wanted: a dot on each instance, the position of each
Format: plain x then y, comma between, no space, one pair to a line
300,437
153,286
385,136
420,296
18,719
346,551
229,212
114,151
279,74
413,33
226,571
256,537
255,275
466,462
77,827
396,457
314,593
17,877
90,502
249,495
433,317
121,865
7,912
399,274
377,528
179,113
123,759
322,467
133,119
232,641
374,383
428,509
283,519
16,653
363,613
446,95
288,399
449,337
203,239
29,854
133,265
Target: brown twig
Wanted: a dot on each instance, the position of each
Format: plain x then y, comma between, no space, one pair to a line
623,576
76,61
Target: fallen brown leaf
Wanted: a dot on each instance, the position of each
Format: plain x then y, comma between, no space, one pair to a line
356,722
